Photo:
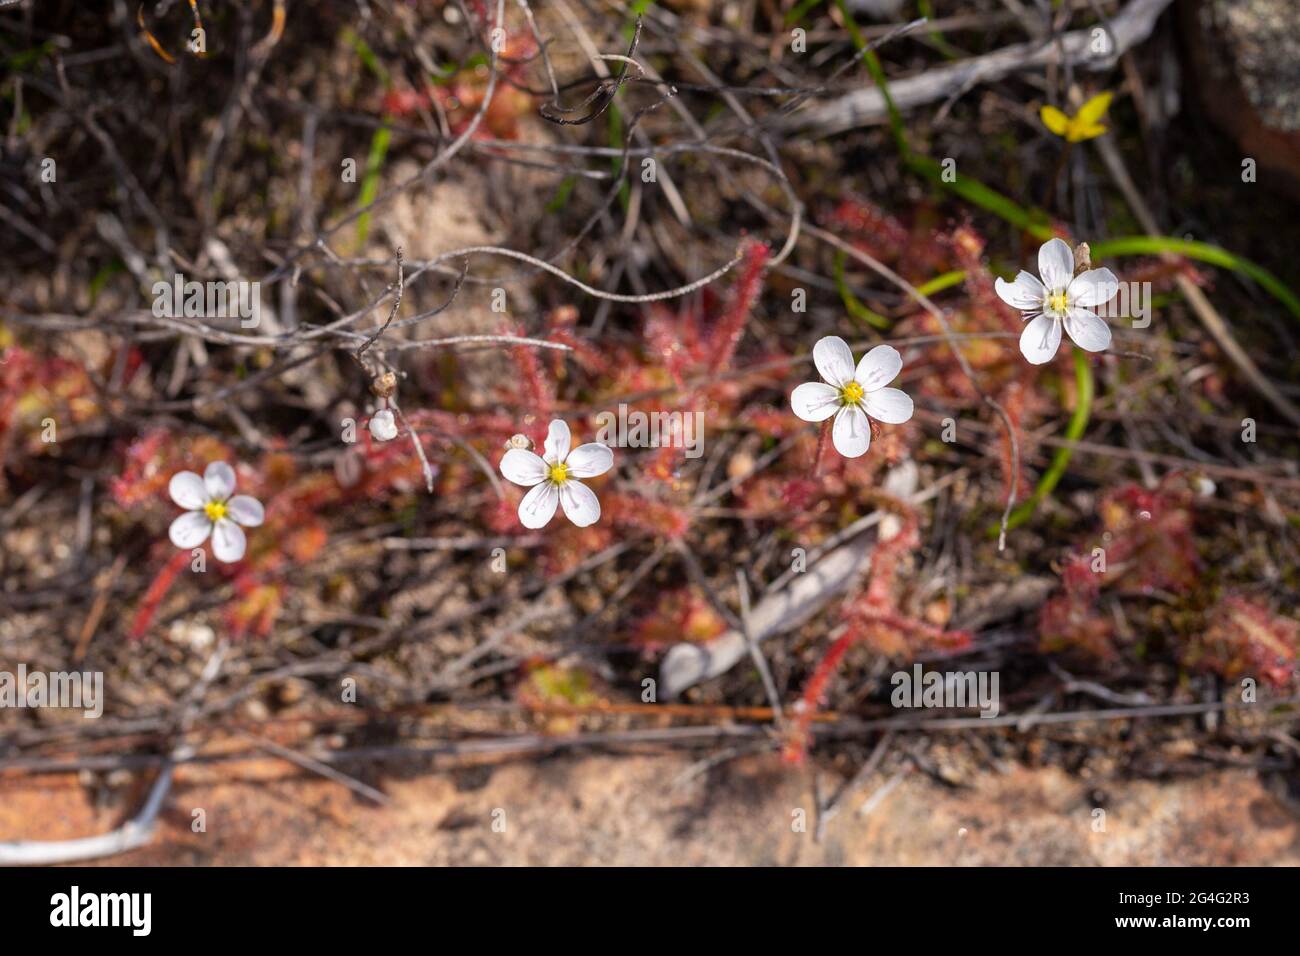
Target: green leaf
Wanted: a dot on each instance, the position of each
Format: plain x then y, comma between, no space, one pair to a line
801,10
1061,460
367,55
561,198
370,184
1202,252
851,301
940,282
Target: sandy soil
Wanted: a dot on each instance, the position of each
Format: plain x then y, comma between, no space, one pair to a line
634,811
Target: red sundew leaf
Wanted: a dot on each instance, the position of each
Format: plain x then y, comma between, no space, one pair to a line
681,615
770,422
304,544
1069,622
255,611
643,514
1013,402
152,459
1246,639
875,620
158,589
1150,537
663,334
501,515
585,354
540,391
800,494
968,248
870,226
568,546
1147,546
403,101
744,293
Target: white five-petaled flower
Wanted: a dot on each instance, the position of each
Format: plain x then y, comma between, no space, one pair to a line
550,478
851,395
1060,299
210,510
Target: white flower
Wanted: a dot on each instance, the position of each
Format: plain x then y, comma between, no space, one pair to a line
551,478
852,395
211,511
382,427
1061,298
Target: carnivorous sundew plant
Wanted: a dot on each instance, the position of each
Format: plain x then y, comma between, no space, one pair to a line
853,396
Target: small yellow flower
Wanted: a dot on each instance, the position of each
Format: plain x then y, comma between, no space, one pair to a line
1085,124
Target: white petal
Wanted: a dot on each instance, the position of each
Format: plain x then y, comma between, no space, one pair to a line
245,510
228,541
190,530
834,361
890,405
523,467
851,433
538,506
219,479
1026,293
557,442
1055,264
589,460
382,426
878,368
187,490
815,401
1040,339
1093,287
1088,330
580,503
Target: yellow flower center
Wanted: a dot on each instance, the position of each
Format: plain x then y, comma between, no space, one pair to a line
558,473
215,510
1057,302
852,393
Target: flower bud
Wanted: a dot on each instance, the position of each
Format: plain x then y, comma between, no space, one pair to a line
382,426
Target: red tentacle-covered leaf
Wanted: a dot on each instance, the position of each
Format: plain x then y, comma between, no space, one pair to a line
1146,545
814,694
888,633
731,325
655,517
870,227
158,589
664,336
1246,639
1148,539
875,620
968,249
537,386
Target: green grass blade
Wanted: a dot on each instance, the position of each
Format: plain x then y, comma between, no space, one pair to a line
943,281
1202,252
1061,460
370,184
852,303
